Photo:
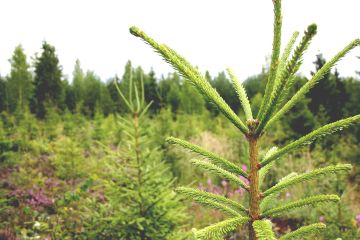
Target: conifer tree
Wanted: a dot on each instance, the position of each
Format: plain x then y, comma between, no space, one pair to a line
91,91
171,91
275,104
143,204
69,93
223,86
20,86
340,98
48,85
3,95
151,91
191,102
78,82
105,101
329,94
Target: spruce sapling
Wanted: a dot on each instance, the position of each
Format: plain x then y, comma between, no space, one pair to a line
142,202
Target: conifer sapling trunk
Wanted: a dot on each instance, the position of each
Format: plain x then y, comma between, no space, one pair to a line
254,182
275,104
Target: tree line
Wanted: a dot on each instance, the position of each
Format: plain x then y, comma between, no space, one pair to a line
44,87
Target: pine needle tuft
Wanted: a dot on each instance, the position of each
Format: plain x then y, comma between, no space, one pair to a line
310,201
220,172
241,92
306,177
304,231
193,75
263,230
212,157
309,138
218,230
205,197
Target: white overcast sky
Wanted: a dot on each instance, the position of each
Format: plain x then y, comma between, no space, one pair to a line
211,34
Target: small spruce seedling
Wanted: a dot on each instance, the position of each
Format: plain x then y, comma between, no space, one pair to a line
141,191
276,103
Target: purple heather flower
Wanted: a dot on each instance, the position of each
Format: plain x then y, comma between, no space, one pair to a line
244,167
216,190
33,197
224,183
240,191
244,180
357,218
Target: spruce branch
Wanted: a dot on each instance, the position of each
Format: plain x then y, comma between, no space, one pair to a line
306,177
315,79
284,65
218,230
263,171
205,197
274,56
309,138
294,63
130,107
266,201
145,109
289,176
310,201
263,230
282,76
241,92
193,75
303,231
219,172
137,98
213,158
218,206
130,92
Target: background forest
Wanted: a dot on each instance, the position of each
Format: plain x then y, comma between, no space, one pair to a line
66,152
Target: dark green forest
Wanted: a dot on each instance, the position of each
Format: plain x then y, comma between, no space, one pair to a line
68,168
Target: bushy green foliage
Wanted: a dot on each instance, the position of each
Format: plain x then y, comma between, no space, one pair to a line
140,201
35,151
68,160
275,105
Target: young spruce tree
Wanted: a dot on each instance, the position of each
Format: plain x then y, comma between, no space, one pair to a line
20,85
276,103
144,205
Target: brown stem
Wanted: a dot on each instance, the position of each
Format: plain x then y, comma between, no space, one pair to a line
137,145
254,213
139,172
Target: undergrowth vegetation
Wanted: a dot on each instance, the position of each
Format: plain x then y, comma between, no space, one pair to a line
59,183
